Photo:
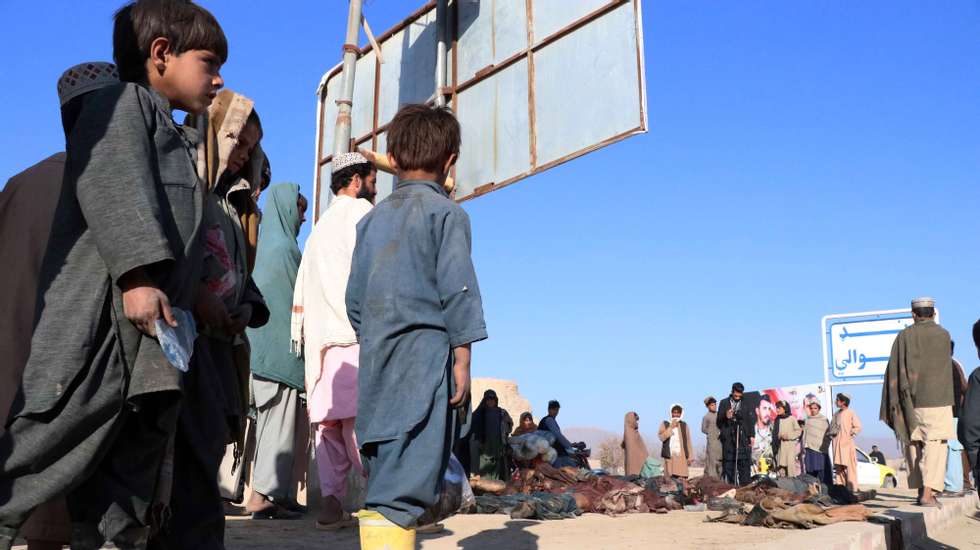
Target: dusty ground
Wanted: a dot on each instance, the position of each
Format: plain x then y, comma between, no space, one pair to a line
678,530
674,530
964,534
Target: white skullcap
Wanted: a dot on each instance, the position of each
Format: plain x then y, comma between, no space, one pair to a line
84,78
345,160
924,301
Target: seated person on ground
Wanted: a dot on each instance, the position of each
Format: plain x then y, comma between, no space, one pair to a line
562,445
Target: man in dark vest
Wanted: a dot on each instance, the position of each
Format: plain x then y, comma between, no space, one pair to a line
737,424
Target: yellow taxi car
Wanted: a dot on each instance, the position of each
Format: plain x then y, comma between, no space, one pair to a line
870,473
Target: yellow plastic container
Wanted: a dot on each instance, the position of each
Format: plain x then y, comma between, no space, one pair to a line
377,533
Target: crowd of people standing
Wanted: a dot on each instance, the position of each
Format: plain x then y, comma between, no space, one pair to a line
169,340
159,232
927,400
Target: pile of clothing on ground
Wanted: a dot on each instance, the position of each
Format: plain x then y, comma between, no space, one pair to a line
539,445
544,492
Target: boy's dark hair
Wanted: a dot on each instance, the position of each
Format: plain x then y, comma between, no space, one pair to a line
676,408
344,176
924,311
253,118
738,387
423,138
844,399
976,334
553,404
185,24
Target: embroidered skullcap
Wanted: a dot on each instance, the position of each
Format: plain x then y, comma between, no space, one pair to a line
345,160
84,78
924,301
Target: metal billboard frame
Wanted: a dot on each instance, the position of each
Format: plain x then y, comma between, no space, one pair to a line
451,92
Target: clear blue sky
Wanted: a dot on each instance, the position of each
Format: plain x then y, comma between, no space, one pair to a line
803,159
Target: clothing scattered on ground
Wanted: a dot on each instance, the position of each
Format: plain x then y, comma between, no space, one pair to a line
534,445
652,467
540,506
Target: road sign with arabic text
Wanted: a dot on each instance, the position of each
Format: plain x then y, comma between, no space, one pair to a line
857,346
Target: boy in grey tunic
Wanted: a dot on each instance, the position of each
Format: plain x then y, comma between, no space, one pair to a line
415,305
98,396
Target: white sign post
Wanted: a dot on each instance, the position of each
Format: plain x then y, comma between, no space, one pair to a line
856,346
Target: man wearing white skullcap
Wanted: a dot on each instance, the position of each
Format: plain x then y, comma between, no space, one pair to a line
27,206
322,332
917,399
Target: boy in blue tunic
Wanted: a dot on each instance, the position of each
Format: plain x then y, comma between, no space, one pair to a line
415,305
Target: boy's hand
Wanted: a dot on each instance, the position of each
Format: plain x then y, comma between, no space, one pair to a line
240,319
210,309
144,303
461,375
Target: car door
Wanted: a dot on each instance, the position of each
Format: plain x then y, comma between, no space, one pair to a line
868,474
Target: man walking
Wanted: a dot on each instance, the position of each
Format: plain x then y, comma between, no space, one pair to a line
709,427
917,399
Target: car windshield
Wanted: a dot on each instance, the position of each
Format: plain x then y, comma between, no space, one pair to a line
862,457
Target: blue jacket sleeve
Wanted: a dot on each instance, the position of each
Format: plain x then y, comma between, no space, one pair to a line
559,437
459,292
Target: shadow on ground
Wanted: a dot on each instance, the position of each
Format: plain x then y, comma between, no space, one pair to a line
513,536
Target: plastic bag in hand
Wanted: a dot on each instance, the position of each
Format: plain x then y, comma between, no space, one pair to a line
177,343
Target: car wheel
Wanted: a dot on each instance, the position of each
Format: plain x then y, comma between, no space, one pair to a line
890,482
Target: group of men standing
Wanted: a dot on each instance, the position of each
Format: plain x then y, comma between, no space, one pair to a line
926,400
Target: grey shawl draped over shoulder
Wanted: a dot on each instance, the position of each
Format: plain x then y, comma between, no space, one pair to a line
412,296
919,375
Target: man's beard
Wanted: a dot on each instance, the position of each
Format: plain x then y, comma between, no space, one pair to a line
366,193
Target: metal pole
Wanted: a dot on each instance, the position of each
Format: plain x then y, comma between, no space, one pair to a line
442,20
341,142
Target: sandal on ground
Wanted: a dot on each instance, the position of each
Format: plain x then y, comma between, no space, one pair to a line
344,522
276,512
430,529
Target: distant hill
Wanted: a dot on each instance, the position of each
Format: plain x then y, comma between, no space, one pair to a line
591,436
